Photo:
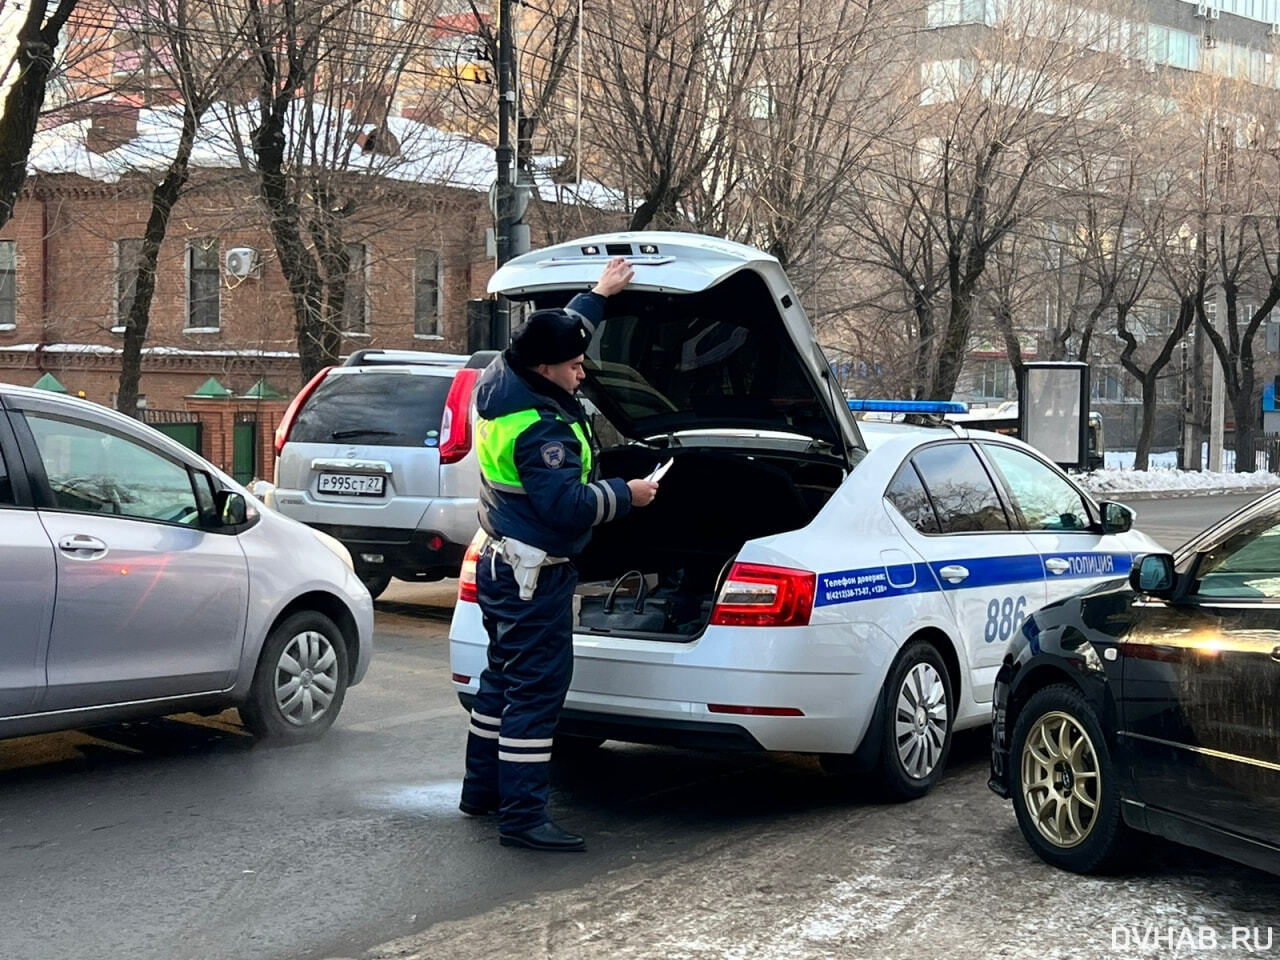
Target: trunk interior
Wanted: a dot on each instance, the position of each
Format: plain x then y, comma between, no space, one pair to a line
711,502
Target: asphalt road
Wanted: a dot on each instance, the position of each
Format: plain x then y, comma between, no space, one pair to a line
182,840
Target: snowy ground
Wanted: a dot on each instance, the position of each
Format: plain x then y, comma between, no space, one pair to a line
1119,476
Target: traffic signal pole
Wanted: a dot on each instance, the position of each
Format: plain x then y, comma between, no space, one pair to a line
501,333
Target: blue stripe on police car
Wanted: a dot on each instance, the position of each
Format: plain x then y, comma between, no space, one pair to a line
894,580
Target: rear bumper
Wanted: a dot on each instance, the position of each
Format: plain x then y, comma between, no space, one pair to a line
663,732
693,693
403,553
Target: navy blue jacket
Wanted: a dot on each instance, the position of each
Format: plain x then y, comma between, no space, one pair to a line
554,509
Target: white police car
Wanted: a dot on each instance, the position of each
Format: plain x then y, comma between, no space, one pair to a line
807,585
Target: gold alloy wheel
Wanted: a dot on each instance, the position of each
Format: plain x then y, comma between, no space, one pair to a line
1060,780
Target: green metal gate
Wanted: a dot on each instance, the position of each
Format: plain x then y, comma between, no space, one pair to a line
178,424
244,447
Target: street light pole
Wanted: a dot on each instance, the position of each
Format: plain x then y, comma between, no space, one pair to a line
501,334
1217,388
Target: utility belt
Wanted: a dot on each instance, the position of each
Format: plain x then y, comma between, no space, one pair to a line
526,562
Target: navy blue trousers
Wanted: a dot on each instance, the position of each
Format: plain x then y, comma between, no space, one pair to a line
530,664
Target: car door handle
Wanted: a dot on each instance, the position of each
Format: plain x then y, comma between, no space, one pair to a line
80,546
1057,565
954,573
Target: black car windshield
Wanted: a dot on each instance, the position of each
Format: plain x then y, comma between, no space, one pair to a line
391,409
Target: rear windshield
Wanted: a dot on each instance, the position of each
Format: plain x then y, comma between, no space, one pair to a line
387,409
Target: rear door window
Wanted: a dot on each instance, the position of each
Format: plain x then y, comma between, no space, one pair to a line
381,408
907,494
961,489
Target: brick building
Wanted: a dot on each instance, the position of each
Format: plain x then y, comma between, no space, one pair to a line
415,241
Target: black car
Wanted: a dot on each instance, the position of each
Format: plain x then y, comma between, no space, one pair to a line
1152,705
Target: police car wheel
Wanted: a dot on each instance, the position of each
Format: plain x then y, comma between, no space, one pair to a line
300,681
917,710
1065,794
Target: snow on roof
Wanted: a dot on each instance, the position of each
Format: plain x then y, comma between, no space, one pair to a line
426,155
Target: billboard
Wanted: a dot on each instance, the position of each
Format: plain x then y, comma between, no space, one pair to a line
1053,410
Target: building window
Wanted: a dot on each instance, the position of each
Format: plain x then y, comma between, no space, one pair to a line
355,305
1110,382
128,253
8,284
426,293
992,379
204,284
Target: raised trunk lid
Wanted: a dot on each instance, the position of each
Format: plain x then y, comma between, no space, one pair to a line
709,334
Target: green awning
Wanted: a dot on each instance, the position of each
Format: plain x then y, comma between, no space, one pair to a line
49,382
262,391
211,388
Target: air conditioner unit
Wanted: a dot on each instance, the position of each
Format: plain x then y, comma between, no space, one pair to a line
1214,13
1202,11
1274,30
241,262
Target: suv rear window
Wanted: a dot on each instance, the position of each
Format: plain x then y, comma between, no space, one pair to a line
389,409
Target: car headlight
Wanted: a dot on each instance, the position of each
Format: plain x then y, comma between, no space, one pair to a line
342,552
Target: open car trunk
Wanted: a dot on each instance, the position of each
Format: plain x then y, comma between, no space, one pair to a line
713,500
706,356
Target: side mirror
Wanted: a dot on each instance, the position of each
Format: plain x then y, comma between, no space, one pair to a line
1116,517
232,507
1152,574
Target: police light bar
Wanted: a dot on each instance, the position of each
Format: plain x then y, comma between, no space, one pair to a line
938,407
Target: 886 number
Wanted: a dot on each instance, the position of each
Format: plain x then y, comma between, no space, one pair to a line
1004,615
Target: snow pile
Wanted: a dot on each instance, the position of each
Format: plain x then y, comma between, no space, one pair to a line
1120,477
1128,481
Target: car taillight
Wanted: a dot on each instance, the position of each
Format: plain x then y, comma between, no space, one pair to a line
455,424
295,407
757,595
467,576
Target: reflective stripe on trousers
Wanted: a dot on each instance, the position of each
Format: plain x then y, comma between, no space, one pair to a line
530,663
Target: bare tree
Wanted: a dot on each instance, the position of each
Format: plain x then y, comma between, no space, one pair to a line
825,90
197,54
26,75
323,144
1239,199
940,202
669,79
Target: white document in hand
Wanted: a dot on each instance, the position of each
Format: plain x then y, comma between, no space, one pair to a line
660,471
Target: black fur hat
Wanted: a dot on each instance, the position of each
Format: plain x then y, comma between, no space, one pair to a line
549,336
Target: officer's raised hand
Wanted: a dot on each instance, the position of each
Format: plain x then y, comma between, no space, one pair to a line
617,274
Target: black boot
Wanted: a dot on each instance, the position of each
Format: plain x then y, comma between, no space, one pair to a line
546,836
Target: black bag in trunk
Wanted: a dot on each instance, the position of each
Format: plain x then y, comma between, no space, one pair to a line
645,615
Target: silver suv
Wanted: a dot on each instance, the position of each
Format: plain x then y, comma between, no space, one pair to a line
378,454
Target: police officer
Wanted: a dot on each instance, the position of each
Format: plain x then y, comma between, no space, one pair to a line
539,499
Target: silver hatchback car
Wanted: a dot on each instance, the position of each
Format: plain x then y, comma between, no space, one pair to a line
137,579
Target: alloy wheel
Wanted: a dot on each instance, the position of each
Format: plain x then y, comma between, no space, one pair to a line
306,678
920,722
1060,780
